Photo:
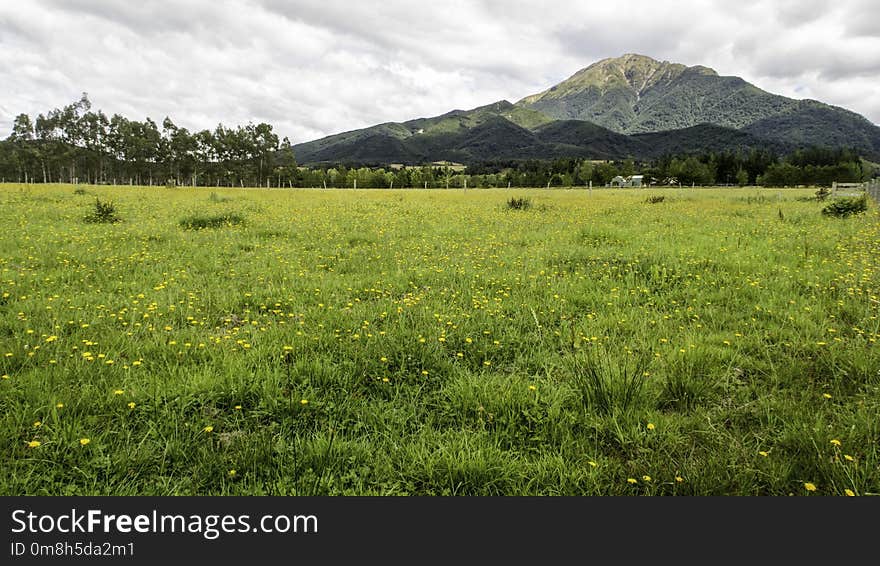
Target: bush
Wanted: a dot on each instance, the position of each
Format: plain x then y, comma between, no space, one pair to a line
823,193
844,207
519,203
199,222
103,213
654,199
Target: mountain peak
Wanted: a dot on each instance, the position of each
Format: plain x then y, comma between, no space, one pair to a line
632,72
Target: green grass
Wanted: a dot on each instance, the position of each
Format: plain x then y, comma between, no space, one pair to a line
432,343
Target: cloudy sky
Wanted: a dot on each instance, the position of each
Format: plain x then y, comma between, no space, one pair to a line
316,67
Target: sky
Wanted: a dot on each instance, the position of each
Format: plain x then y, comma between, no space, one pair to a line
317,67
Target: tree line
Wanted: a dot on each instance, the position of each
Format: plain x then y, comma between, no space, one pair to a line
76,144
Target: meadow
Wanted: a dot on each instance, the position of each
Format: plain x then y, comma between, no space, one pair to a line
437,342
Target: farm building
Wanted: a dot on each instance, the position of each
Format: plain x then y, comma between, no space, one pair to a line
631,181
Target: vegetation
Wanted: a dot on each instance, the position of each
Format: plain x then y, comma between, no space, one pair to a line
75,144
432,343
519,203
103,213
843,207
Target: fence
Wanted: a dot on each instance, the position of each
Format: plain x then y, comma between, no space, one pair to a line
872,187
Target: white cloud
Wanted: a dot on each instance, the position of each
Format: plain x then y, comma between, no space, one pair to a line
313,68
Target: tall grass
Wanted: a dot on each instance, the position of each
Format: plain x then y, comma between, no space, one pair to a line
432,343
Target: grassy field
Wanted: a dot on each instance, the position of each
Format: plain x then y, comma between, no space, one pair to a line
341,342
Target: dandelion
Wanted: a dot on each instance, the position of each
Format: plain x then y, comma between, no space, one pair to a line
237,407
679,479
826,395
651,426
849,493
59,405
532,388
809,486
593,464
84,441
632,480
848,458
51,339
118,391
835,442
231,473
646,478
764,453
34,444
38,424
303,401
424,372
383,359
131,405
4,376
208,429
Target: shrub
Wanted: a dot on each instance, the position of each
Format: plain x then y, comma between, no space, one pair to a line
823,193
519,203
103,213
79,191
844,207
654,199
201,221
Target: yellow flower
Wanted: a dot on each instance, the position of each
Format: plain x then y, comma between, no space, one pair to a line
4,376
33,444
59,405
646,478
84,441
764,453
51,338
593,464
424,372
679,479
231,473
208,428
237,407
651,426
532,388
119,392
809,486
383,359
303,401
38,424
848,458
131,405
826,395
835,442
632,480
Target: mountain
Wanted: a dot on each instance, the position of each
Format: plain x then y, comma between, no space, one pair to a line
630,106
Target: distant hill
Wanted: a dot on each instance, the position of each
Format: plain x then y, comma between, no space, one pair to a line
630,106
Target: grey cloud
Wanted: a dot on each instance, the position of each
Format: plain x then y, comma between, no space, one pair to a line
313,68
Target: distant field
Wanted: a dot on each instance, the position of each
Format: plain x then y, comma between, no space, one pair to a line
413,342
